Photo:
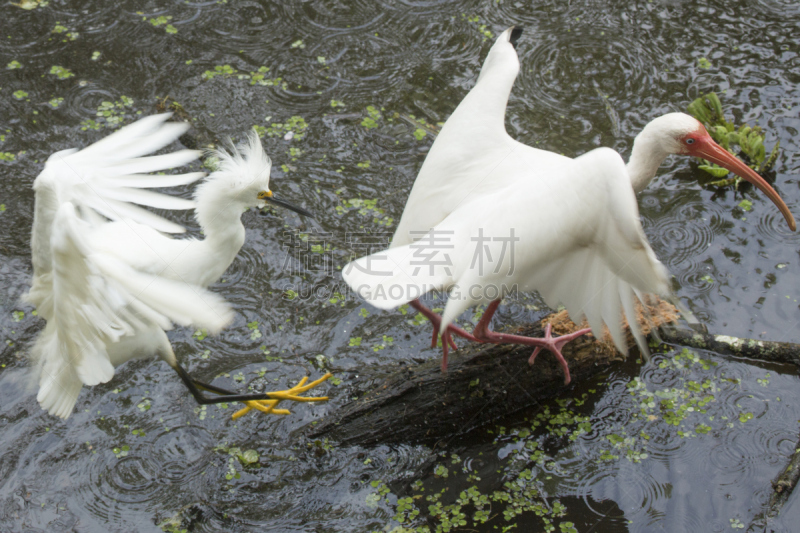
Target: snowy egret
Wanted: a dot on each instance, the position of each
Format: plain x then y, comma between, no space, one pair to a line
576,222
107,277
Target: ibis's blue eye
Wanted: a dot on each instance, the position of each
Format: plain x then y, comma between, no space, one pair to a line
689,141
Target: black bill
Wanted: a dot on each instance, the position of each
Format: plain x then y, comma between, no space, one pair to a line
299,210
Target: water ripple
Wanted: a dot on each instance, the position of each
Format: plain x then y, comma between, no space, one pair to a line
133,479
344,18
182,453
82,100
772,226
733,454
781,9
686,230
27,33
609,67
632,488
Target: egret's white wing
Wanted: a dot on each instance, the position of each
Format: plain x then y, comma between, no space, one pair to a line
106,179
98,299
473,153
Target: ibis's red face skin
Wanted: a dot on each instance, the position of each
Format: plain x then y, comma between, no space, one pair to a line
700,144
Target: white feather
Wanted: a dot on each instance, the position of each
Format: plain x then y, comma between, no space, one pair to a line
145,181
117,210
106,278
472,154
148,198
152,163
140,138
581,245
393,277
581,241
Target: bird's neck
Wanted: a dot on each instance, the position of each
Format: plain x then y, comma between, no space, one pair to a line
646,156
221,220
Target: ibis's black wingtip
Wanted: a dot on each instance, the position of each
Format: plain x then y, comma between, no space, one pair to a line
516,31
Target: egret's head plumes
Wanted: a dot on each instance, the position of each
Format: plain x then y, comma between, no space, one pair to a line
241,179
242,175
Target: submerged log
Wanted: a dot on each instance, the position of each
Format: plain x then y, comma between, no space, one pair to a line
782,487
421,404
776,352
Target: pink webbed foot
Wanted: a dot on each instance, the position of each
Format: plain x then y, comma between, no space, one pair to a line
554,345
484,334
436,320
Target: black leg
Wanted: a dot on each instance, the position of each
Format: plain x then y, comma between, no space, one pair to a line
225,395
514,37
211,388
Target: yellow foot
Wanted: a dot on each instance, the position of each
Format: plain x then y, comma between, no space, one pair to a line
268,406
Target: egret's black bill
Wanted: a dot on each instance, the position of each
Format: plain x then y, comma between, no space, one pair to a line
290,207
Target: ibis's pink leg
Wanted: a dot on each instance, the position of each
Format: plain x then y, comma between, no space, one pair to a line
484,334
446,341
436,320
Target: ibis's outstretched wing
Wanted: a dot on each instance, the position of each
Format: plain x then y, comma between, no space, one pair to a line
473,154
108,178
574,237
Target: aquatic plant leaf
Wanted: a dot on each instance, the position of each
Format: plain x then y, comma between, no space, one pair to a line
749,139
770,161
714,170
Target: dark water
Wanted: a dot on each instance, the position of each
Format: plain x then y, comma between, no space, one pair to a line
593,73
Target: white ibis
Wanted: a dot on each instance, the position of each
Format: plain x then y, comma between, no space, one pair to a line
575,222
107,277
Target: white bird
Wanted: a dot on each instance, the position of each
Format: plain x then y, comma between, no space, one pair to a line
576,220
107,277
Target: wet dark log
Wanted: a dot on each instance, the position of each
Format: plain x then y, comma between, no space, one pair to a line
421,404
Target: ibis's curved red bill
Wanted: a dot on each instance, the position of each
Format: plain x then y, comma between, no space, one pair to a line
716,154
